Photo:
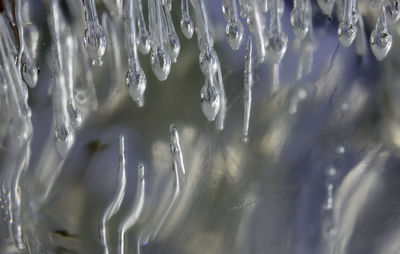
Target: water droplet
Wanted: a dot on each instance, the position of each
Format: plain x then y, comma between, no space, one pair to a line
95,42
380,39
234,33
208,60
210,101
136,83
187,27
160,63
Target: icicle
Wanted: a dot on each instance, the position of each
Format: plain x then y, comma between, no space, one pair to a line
256,25
135,77
187,26
234,28
300,18
29,70
308,47
392,8
95,39
264,5
160,60
210,97
381,39
222,100
136,210
171,38
248,84
347,30
143,40
176,150
116,202
276,44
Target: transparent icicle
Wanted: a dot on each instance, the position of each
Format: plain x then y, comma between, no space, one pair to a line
300,18
29,70
329,227
135,77
222,100
176,150
21,130
94,39
178,170
204,38
308,47
143,39
248,84
347,30
210,97
160,60
264,5
74,114
277,40
116,202
256,25
234,28
187,26
381,39
136,210
392,8
63,130
171,38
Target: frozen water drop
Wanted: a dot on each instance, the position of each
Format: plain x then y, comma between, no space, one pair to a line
30,72
208,60
347,32
74,115
392,8
136,83
380,39
234,33
300,20
160,63
276,46
210,101
144,42
187,27
64,139
95,42
173,46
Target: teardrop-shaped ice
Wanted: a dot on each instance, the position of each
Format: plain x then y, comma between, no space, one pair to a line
380,39
208,59
95,42
300,18
160,63
276,46
392,8
173,46
30,72
347,32
74,115
136,82
64,139
187,27
144,42
234,33
210,99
